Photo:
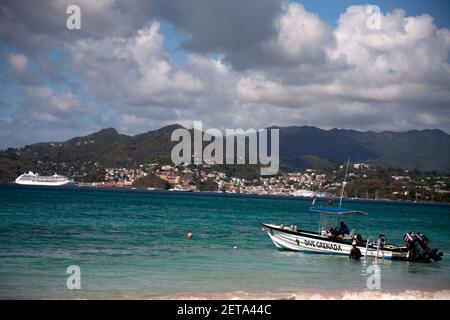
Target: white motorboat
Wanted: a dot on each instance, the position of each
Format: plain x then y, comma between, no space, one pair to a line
331,240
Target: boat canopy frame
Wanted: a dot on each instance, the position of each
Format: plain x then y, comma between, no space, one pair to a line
329,215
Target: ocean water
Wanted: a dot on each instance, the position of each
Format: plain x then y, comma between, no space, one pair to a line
133,244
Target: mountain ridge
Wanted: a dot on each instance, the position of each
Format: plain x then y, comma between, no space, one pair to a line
300,146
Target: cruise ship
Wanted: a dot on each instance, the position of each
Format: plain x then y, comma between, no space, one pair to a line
34,179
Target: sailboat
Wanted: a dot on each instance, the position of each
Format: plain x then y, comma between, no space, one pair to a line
331,240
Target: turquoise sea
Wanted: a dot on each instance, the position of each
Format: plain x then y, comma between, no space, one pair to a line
133,244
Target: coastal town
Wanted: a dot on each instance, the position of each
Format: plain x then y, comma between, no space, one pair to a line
363,181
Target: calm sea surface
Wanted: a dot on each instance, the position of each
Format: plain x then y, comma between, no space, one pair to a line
134,244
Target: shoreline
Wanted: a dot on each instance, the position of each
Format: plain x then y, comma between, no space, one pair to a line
407,294
318,295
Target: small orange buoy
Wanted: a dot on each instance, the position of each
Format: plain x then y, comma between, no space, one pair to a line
189,235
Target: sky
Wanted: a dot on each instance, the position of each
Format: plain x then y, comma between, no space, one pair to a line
142,64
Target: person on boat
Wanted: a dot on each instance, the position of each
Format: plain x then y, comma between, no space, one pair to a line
358,239
381,240
355,253
330,202
344,228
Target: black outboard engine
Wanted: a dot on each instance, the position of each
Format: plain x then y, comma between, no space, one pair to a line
419,248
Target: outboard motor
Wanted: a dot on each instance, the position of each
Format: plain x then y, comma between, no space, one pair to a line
419,248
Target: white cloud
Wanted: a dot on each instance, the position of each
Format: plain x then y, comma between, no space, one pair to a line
18,62
42,98
301,36
401,70
133,70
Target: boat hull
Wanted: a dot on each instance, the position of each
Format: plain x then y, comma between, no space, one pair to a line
310,242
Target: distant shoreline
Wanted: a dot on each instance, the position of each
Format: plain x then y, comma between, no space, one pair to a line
224,194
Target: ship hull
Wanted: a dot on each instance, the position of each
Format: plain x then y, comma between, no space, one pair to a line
49,184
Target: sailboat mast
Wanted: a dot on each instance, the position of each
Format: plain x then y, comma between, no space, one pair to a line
343,184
